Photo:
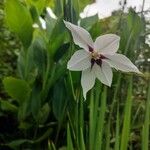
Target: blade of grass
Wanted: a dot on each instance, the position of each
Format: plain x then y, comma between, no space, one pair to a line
80,125
101,120
145,130
91,122
127,118
82,144
94,116
69,139
117,137
108,136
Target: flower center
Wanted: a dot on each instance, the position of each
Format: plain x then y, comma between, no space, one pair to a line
96,58
95,55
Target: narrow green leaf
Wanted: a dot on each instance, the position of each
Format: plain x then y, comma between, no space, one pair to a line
81,141
16,143
117,136
69,139
44,136
127,118
101,120
91,122
59,101
7,106
145,130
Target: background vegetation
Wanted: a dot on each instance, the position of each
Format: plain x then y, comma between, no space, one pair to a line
41,102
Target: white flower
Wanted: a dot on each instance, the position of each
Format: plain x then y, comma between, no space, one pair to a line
95,59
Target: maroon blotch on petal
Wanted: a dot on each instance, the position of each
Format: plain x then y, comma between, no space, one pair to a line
92,62
90,49
99,62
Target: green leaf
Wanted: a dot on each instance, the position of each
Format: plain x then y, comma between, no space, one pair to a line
61,51
57,36
58,9
84,3
44,136
38,4
59,101
127,118
35,100
7,106
50,24
146,127
135,23
16,143
69,139
43,113
18,89
88,22
19,20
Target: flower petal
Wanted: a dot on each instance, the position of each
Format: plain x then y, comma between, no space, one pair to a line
80,60
103,73
80,36
121,62
87,80
107,44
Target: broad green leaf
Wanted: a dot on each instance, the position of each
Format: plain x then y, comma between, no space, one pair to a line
18,89
39,53
57,36
38,4
19,20
88,22
84,3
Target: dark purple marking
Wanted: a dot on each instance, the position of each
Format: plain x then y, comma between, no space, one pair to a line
92,62
99,62
90,49
102,57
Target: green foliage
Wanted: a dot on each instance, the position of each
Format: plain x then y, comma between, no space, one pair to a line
46,101
17,89
19,20
88,22
37,4
7,106
127,119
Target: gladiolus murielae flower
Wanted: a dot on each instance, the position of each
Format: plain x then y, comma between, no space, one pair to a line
95,59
